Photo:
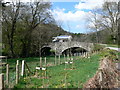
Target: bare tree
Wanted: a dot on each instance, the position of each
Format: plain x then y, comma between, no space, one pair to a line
110,16
94,23
105,19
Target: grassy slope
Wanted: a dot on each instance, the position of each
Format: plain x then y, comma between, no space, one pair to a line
84,69
112,45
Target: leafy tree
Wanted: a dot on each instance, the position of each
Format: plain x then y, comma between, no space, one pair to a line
18,24
34,14
10,17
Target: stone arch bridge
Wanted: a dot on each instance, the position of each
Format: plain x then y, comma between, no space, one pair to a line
60,47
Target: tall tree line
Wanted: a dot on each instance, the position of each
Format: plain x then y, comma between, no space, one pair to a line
23,27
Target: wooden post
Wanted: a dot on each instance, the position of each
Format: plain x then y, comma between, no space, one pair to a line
40,62
17,72
65,61
45,67
45,62
78,84
65,81
87,54
55,61
72,63
43,83
7,74
81,54
23,67
17,62
1,81
59,60
64,56
84,54
68,58
100,80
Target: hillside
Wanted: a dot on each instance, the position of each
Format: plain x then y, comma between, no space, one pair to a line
104,36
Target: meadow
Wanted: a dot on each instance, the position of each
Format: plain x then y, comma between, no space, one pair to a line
57,76
74,76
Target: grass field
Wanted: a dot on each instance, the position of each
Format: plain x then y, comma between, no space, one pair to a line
57,76
83,69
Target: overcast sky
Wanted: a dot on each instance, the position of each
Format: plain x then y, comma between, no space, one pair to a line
71,14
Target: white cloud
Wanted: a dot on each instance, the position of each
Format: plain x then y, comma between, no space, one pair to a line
60,14
78,26
89,4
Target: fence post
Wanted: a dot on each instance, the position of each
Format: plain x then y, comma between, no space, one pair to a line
55,60
45,62
59,60
72,63
65,81
68,58
1,81
41,62
45,67
100,74
7,74
17,72
64,57
23,67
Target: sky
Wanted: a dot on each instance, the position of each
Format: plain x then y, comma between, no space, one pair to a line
71,14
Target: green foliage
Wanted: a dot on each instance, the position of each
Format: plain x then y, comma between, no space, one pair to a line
112,54
97,47
52,51
113,45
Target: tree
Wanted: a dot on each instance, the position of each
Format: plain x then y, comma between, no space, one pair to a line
94,23
119,24
19,22
10,17
105,18
110,18
37,13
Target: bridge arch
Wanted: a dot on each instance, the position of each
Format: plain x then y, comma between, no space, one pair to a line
46,51
73,50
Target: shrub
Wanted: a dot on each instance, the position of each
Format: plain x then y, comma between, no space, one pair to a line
98,47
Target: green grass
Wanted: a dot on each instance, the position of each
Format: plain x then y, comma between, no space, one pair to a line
83,70
113,45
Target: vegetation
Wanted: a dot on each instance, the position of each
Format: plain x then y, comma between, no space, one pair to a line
106,18
83,69
97,47
26,28
113,45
